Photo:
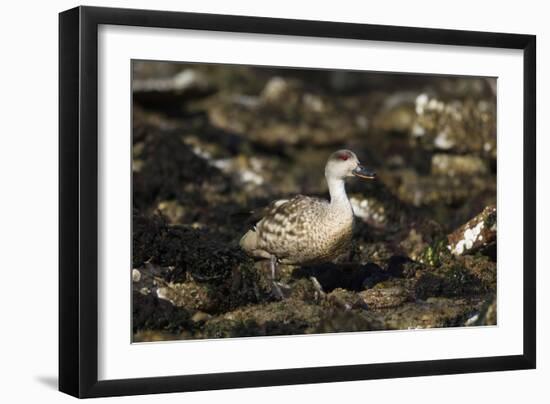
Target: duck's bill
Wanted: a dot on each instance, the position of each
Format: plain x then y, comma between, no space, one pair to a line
364,172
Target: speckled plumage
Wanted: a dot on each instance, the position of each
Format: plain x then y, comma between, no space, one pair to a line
304,230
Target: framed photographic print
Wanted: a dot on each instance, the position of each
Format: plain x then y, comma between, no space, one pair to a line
251,201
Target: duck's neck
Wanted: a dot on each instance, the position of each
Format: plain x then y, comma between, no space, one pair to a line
337,190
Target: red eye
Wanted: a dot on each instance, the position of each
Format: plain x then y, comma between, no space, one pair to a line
343,156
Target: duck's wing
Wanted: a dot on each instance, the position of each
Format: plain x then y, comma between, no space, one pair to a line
250,241
290,212
270,209
283,221
251,217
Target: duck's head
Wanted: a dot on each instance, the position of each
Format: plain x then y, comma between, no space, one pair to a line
344,163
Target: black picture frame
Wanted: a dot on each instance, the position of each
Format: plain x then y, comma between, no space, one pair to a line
78,201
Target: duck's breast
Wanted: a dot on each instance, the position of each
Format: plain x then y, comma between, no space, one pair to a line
334,234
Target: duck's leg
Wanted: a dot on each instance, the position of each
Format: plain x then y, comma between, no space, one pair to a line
318,288
276,290
273,265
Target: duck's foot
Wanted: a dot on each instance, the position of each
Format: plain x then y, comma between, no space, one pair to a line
280,290
319,292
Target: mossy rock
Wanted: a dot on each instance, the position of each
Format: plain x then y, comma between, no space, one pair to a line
279,318
203,254
152,313
432,313
455,282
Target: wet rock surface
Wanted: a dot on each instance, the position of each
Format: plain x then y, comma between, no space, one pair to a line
212,145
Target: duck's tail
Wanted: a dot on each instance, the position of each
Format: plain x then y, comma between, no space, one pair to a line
249,242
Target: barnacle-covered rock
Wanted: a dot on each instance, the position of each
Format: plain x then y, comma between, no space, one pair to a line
188,83
458,165
425,190
462,126
478,232
286,114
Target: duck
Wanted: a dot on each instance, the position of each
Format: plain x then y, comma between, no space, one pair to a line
305,230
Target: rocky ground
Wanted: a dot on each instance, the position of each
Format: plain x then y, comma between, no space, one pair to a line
213,143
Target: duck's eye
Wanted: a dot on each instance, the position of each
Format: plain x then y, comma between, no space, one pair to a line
343,156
